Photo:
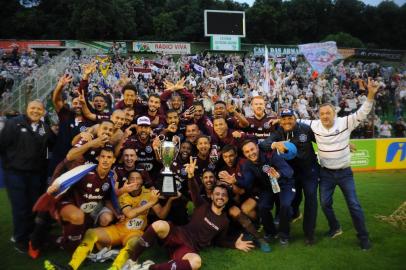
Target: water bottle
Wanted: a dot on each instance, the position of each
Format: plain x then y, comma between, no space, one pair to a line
275,185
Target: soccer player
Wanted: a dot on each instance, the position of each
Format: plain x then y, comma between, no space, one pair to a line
88,149
208,223
259,124
255,179
82,205
234,119
223,135
135,205
143,145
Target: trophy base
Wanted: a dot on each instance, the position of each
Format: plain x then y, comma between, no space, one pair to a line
168,188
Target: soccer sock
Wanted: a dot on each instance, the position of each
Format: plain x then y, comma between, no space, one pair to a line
145,241
247,224
41,229
85,247
124,254
72,234
172,265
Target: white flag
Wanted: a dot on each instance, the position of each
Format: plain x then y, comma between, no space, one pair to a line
198,68
265,85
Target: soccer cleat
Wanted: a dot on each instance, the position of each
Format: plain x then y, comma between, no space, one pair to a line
33,252
48,265
334,233
284,241
109,255
131,265
103,255
365,244
270,237
145,265
21,247
309,241
264,246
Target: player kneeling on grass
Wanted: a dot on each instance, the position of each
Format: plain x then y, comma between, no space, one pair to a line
135,205
209,222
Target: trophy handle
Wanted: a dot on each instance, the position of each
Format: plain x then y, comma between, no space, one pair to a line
161,138
177,146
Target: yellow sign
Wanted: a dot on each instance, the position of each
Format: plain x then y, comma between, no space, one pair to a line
391,154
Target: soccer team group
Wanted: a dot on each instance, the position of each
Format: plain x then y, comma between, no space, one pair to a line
236,171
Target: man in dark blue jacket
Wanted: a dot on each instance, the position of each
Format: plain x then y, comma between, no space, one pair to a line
256,173
305,166
24,144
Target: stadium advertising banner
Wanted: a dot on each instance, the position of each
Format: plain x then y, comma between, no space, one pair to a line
365,155
391,154
8,45
96,46
276,51
162,47
225,43
390,55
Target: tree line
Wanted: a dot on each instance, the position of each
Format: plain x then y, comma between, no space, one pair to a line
350,22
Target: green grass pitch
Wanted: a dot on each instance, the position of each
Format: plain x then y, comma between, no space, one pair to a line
379,193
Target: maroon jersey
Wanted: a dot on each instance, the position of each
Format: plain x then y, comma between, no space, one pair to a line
229,139
91,154
205,225
146,159
138,106
180,176
122,175
88,192
260,128
202,165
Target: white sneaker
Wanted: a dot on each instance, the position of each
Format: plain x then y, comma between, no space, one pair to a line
109,255
97,257
131,265
146,265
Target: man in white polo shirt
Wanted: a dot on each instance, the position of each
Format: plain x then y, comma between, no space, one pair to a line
332,136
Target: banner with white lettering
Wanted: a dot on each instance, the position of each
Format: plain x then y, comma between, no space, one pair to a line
319,55
162,47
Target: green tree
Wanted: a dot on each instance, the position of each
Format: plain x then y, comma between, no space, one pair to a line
345,40
164,26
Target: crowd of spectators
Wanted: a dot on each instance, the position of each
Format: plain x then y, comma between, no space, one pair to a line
236,79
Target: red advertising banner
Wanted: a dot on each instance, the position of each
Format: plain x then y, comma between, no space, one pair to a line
8,45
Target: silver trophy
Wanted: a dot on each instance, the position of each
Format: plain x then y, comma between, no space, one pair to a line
168,151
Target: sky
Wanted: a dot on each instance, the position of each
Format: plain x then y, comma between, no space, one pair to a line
368,2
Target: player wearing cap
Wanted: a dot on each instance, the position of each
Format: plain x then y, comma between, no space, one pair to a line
143,145
304,165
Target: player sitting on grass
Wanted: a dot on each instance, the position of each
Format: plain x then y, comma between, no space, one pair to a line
135,206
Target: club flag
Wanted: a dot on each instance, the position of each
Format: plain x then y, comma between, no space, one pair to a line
319,55
198,68
265,85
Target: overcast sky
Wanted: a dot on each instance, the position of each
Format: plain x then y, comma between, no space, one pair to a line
369,2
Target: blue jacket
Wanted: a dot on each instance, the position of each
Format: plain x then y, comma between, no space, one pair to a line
254,177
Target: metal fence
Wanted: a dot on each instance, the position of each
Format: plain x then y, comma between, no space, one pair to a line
38,85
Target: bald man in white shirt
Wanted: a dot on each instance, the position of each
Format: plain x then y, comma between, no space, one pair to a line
333,136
